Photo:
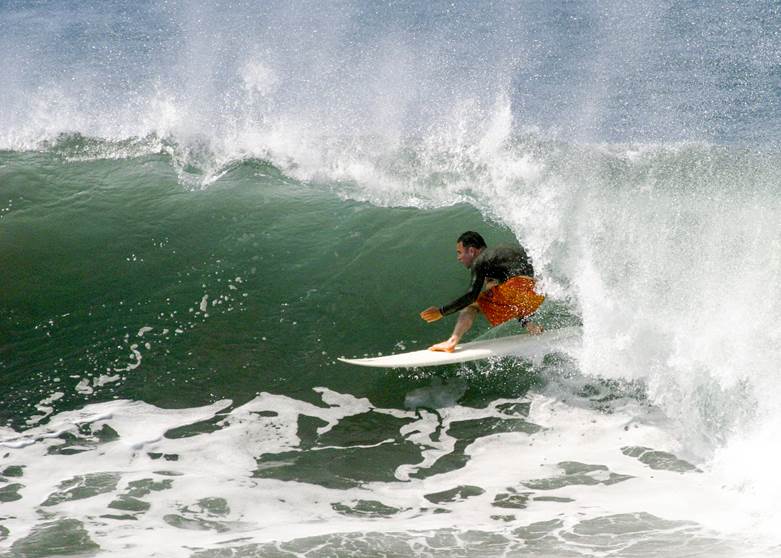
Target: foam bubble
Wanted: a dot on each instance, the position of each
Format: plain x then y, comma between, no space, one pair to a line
169,479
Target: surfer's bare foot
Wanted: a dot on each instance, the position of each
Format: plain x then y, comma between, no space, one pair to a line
533,328
445,346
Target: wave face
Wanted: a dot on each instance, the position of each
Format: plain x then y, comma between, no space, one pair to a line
201,208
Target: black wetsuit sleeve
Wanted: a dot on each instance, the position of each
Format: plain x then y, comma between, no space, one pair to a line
478,278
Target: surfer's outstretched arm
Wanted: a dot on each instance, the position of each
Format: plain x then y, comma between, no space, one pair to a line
466,318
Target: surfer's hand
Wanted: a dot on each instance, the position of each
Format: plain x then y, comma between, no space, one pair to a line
431,314
446,346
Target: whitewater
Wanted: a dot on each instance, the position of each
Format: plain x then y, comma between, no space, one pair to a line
204,205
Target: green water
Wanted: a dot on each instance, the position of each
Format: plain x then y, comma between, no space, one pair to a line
95,251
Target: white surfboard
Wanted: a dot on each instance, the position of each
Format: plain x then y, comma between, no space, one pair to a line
566,340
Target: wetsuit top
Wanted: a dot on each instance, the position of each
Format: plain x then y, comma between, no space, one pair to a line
499,263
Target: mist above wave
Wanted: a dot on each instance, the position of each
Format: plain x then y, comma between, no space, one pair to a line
598,73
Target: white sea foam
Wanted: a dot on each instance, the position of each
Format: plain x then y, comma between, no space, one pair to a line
200,491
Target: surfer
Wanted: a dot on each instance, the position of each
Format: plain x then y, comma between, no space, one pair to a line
502,289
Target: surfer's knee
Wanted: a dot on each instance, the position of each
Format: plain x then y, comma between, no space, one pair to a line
469,312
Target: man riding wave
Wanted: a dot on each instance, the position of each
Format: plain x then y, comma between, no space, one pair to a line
502,288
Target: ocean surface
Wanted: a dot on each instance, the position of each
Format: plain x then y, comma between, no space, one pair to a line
204,204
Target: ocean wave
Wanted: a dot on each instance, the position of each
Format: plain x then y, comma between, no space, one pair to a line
669,251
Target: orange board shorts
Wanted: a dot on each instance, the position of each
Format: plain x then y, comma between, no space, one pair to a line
515,298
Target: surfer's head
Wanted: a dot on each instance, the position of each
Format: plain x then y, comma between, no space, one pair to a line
468,247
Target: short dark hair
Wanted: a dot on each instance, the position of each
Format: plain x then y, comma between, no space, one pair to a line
473,239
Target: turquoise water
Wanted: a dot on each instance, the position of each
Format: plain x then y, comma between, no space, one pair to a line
203,207
255,284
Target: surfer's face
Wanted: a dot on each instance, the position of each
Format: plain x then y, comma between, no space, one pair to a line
466,254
